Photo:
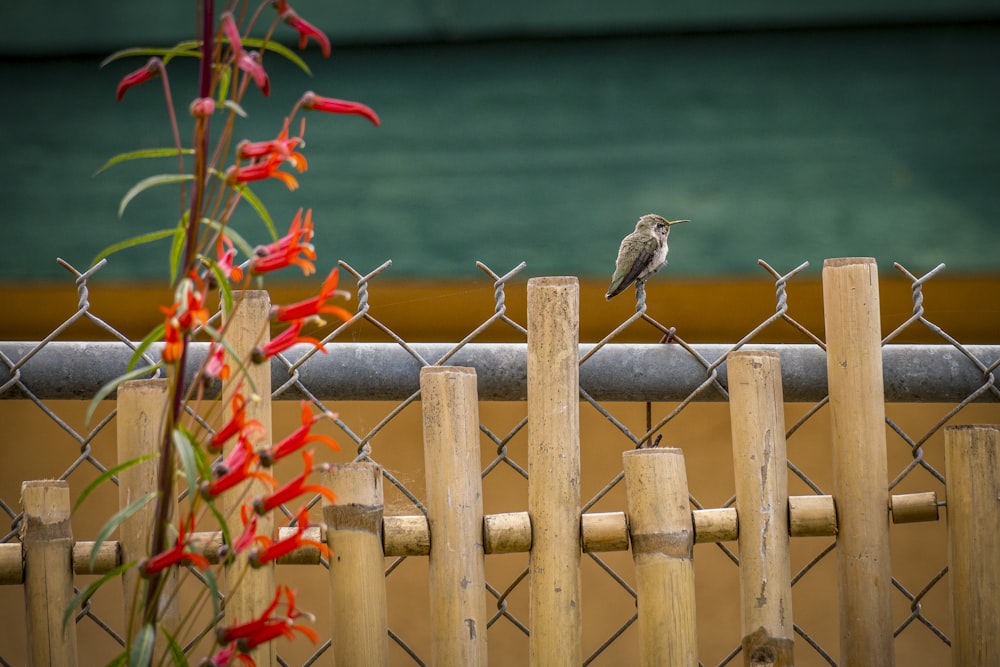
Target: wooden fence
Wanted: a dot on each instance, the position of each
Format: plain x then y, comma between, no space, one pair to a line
658,524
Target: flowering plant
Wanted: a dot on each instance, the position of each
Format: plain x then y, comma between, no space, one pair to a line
214,177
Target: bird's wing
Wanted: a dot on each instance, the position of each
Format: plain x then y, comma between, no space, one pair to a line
626,274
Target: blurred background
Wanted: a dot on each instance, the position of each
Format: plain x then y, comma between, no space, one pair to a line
540,132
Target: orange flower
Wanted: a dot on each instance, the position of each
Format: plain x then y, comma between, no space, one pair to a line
235,469
275,550
316,102
187,313
314,306
176,555
237,425
299,438
267,626
293,489
293,248
282,342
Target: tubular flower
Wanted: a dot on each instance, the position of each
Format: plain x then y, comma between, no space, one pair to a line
187,313
249,535
299,438
152,67
175,556
225,253
316,102
267,626
215,365
293,248
282,147
314,306
304,28
235,469
275,550
238,424
293,489
224,658
282,342
259,171
246,61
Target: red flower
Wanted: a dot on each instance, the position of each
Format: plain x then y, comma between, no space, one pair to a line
152,67
225,253
258,171
282,342
329,105
299,438
314,306
282,147
293,248
249,62
235,469
293,489
275,550
305,29
215,365
187,313
175,556
267,627
237,424
225,657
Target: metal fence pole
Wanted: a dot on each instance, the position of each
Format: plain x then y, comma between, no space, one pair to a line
761,469
457,567
662,536
972,463
48,573
554,472
250,590
357,580
860,478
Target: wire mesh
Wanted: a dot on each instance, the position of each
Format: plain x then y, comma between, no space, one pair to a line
920,601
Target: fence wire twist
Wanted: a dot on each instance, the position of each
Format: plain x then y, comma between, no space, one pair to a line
649,437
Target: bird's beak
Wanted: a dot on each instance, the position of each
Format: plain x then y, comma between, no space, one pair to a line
676,222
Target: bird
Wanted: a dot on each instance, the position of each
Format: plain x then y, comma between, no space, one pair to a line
642,253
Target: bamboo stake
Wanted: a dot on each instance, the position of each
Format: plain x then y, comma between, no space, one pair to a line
554,472
972,465
48,576
142,405
662,534
857,417
249,590
457,568
761,467
357,580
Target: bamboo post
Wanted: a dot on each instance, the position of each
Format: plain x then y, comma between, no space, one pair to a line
47,541
972,467
757,411
662,534
250,590
457,568
857,417
357,580
554,471
141,408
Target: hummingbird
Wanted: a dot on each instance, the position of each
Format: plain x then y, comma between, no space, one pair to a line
642,253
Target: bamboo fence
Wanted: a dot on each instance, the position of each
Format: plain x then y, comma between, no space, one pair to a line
658,524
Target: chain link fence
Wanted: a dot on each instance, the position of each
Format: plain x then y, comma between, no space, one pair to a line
637,402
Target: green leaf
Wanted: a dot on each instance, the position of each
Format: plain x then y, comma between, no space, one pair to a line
92,588
131,243
152,337
258,206
188,454
112,385
177,246
141,654
176,650
225,78
213,587
280,49
143,154
151,182
187,48
108,474
116,521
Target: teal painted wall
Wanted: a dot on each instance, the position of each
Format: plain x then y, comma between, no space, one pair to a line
781,145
